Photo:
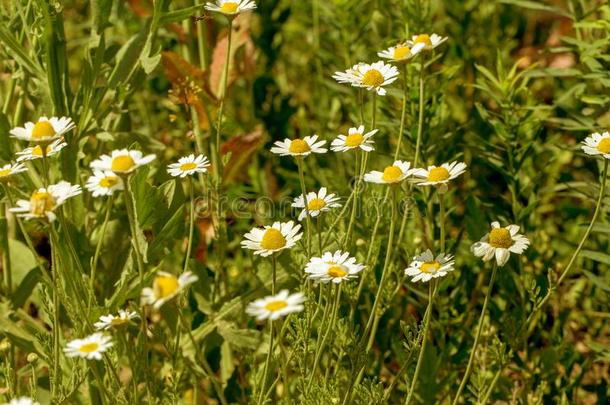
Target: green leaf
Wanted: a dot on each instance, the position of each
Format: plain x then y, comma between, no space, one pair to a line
19,53
22,260
596,256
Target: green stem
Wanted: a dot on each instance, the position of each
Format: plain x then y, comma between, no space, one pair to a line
431,295
274,271
304,193
420,123
56,380
189,245
404,112
225,78
477,336
441,202
6,261
98,249
267,363
131,216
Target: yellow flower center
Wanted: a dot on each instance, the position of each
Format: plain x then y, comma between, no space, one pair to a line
354,140
229,7
122,163
273,240
373,78
500,238
118,321
423,39
438,174
165,286
43,129
5,172
401,52
604,146
89,347
299,146
337,271
37,150
276,305
41,202
108,181
391,174
316,204
430,267
185,167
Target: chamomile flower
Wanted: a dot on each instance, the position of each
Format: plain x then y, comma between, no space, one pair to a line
10,169
189,165
270,239
276,306
103,183
91,348
35,152
44,201
597,144
500,243
372,77
22,401
44,131
429,41
230,7
356,138
122,161
391,174
333,267
107,322
438,175
165,287
299,147
425,266
317,203
401,52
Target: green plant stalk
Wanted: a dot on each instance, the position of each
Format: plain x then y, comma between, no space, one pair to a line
428,315
441,203
274,273
267,363
8,278
56,380
221,107
403,113
329,330
477,336
533,317
420,121
98,249
384,275
300,162
492,385
131,216
189,245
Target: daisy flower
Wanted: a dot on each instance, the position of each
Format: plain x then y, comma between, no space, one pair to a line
316,203
189,165
44,131
597,144
429,41
9,169
44,201
91,348
36,152
270,239
22,401
230,8
356,138
391,174
369,76
401,52
103,183
499,243
122,161
299,147
336,267
276,306
165,287
438,175
426,267
107,322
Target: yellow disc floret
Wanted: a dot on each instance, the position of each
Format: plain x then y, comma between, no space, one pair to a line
229,7
5,172
430,267
108,181
391,174
89,347
123,163
274,306
316,204
337,271
353,140
373,78
42,130
299,146
604,146
273,240
423,39
500,238
438,174
165,285
401,52
41,202
188,166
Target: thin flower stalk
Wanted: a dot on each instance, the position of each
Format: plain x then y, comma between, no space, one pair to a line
262,395
420,121
300,163
403,113
189,245
98,249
